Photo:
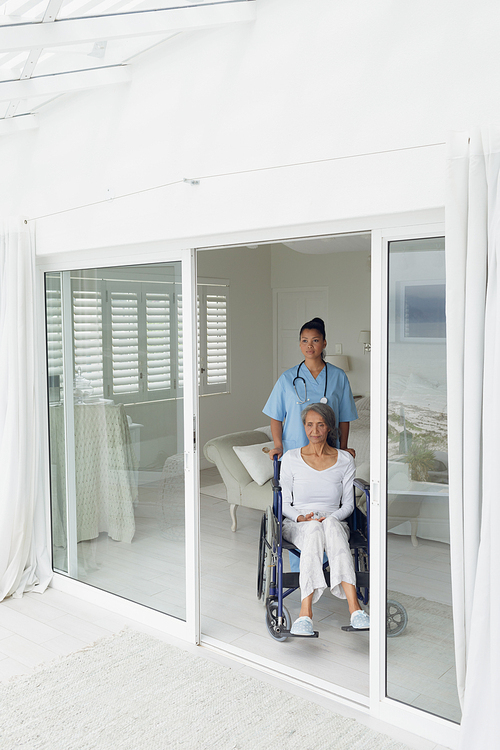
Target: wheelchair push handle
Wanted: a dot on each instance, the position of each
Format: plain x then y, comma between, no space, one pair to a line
276,478
276,469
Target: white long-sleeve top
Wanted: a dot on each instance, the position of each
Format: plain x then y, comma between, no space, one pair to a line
306,490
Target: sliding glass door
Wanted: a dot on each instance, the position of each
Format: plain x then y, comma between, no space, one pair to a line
420,646
412,654
121,456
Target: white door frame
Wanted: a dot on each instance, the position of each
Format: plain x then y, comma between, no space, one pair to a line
188,630
409,718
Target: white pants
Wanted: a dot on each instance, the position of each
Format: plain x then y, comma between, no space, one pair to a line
313,539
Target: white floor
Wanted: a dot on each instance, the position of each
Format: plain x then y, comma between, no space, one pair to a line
38,628
420,666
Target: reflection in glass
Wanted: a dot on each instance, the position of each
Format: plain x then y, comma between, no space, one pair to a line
420,658
116,431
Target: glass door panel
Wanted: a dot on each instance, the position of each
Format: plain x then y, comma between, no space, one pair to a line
54,338
420,648
116,418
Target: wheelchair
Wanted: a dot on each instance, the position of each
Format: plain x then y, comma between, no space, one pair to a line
274,585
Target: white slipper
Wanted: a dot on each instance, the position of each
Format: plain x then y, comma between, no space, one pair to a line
302,626
360,620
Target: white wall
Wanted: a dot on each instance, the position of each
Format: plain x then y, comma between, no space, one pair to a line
251,340
252,274
347,276
362,89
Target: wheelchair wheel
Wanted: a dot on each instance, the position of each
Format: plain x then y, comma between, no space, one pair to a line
271,621
397,619
262,557
267,554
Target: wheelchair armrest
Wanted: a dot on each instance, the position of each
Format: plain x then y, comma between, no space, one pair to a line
362,484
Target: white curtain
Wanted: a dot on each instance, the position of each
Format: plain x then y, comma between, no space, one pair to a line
24,558
473,320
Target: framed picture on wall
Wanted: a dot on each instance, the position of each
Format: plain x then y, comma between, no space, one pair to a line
422,313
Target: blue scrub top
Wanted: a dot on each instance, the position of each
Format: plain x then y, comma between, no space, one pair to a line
282,403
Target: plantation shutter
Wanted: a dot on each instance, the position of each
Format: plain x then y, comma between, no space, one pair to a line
213,338
141,330
180,339
54,332
158,341
216,316
125,372
212,328
87,337
201,356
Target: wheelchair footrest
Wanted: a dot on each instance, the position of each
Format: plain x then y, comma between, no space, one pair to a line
290,580
293,635
362,579
350,629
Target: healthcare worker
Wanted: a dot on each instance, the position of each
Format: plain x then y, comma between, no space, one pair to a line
311,381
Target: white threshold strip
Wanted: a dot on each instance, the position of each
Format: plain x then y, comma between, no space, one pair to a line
289,675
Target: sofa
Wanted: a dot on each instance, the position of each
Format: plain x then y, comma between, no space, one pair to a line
242,488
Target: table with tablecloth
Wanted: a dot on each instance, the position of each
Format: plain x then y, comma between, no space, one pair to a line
105,466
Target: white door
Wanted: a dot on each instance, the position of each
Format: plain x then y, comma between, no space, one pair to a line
293,308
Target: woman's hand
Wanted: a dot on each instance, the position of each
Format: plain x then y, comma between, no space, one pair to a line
276,452
309,517
351,451
277,434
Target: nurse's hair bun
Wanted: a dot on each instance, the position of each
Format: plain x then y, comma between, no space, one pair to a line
316,324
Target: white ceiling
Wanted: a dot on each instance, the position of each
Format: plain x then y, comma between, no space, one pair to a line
52,47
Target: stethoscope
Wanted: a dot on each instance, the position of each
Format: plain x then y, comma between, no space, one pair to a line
323,400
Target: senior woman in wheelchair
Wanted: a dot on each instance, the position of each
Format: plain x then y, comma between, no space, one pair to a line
317,487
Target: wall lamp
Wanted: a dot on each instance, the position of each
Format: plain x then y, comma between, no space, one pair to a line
365,339
339,360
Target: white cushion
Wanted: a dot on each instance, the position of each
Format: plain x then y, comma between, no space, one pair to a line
255,461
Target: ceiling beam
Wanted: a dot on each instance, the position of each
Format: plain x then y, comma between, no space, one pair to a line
123,26
64,83
16,124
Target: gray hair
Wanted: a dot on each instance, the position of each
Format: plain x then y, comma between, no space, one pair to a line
328,415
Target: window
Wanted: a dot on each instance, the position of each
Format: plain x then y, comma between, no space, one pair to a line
134,322
159,357
54,327
87,336
213,339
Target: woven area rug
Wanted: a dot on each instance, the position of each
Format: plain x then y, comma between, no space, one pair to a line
134,692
